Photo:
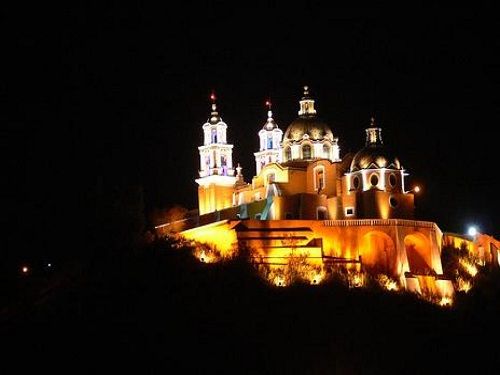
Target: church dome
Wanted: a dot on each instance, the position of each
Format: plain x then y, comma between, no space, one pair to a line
307,123
374,155
310,125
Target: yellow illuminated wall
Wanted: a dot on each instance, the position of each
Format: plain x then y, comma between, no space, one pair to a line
214,197
219,235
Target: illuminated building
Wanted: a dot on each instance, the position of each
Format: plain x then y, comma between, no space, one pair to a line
306,201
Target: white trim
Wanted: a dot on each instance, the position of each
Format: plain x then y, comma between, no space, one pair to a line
349,208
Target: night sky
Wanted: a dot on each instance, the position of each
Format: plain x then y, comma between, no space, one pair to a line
104,97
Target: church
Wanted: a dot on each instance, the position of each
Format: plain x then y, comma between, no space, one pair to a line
307,201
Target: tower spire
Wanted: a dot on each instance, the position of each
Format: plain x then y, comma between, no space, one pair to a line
307,104
270,141
373,134
269,111
214,115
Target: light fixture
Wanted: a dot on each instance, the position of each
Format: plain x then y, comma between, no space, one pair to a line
472,231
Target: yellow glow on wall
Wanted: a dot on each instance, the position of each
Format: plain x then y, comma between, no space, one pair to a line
419,253
218,235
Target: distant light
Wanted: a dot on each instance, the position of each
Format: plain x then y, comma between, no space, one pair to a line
416,189
472,231
49,264
212,96
25,269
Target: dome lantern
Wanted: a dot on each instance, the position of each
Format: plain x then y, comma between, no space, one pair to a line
308,137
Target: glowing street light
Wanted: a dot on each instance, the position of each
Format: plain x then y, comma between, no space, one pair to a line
472,231
415,189
25,269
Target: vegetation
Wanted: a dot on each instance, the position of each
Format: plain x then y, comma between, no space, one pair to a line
157,308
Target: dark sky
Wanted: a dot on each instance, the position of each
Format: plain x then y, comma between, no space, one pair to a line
110,96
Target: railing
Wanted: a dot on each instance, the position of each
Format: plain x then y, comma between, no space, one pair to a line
378,222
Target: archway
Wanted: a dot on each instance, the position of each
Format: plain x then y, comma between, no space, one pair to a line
378,253
418,251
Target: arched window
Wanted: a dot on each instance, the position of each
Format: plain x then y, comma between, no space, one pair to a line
306,152
392,180
319,179
355,182
214,135
326,151
321,213
269,142
374,180
288,153
223,163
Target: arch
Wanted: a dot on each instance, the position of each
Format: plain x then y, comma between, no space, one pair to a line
306,151
418,251
378,253
374,179
321,213
319,178
392,180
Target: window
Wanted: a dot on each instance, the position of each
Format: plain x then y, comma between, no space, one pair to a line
393,202
355,182
214,135
326,151
374,179
223,162
288,154
319,178
306,152
269,142
392,179
321,213
349,211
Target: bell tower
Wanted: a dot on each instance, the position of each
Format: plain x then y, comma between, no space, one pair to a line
216,182
270,142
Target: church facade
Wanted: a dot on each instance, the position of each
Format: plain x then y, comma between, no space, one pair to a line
305,199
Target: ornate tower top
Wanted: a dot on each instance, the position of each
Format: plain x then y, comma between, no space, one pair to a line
214,116
270,123
373,134
307,104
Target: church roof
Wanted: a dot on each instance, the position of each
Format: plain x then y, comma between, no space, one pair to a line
374,155
307,123
315,128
